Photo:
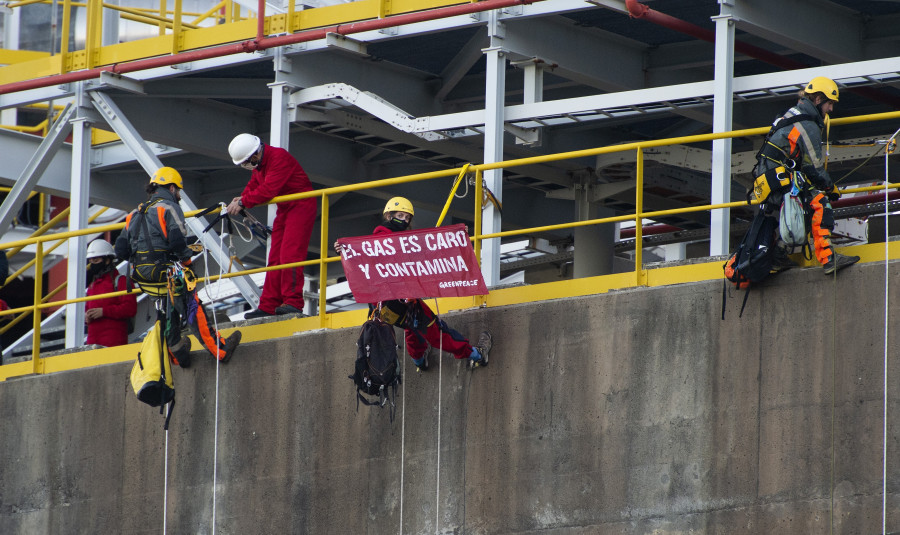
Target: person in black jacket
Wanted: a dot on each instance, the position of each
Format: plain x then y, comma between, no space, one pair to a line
153,240
795,144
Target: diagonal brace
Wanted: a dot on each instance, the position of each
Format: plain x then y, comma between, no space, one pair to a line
148,160
35,167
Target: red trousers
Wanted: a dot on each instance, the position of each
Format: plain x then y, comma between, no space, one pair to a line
429,329
291,232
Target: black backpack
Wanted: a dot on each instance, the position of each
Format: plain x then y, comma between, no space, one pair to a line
753,260
377,369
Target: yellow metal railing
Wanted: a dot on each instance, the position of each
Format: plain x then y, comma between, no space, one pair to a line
33,262
478,237
180,30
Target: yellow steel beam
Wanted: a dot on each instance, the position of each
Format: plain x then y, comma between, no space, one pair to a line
18,56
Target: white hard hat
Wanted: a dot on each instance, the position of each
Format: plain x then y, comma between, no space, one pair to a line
99,247
242,147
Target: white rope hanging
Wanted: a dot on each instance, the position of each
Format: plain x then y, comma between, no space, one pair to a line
887,154
437,485
212,299
165,480
402,434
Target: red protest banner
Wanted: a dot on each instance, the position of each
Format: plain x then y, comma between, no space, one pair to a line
435,262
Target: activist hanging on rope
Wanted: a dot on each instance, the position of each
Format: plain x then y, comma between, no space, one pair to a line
395,268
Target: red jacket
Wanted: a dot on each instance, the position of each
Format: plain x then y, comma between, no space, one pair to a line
278,174
112,329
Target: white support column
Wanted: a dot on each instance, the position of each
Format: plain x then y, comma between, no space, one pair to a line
721,148
533,93
280,132
534,83
10,41
78,219
675,251
494,92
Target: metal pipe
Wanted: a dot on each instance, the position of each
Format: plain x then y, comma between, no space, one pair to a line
260,20
264,43
638,10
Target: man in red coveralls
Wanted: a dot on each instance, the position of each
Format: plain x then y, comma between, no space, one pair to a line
107,319
274,173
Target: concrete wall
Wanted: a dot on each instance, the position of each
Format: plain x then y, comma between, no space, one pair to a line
631,412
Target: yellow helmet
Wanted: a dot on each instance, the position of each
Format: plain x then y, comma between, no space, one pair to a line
399,204
823,85
165,176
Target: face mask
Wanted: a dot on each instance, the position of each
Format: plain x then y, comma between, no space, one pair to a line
397,225
95,270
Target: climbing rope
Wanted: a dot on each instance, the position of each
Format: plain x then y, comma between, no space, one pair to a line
165,480
159,303
402,434
437,492
890,144
223,218
833,374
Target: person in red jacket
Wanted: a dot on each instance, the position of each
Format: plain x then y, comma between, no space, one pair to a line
274,172
107,319
421,326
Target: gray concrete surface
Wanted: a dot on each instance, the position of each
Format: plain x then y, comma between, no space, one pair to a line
633,412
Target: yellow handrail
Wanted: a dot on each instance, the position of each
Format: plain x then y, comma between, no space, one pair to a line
34,262
324,259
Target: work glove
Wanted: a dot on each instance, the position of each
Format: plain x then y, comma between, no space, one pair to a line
833,193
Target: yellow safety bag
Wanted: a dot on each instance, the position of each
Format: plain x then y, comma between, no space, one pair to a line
774,180
394,312
151,375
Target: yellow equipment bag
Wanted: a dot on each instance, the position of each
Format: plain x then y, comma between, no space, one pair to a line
151,376
394,312
773,180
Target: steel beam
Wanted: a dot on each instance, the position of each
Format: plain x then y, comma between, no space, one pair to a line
721,148
78,204
461,63
279,131
755,87
79,187
590,57
148,160
824,31
494,96
35,167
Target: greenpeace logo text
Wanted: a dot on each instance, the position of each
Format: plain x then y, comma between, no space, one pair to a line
457,284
